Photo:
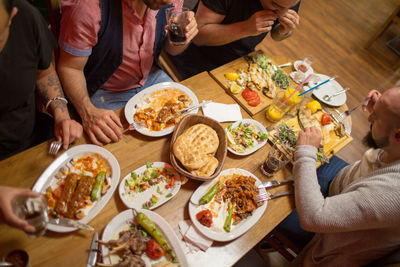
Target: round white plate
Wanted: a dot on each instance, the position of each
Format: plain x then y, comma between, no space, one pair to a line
136,201
329,88
236,230
47,176
259,127
123,220
134,104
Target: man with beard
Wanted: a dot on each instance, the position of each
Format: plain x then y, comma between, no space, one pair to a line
354,211
109,50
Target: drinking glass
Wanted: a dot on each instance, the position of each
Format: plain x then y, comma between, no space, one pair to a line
177,21
276,160
34,211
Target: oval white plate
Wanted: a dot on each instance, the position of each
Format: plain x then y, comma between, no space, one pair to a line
137,201
329,88
236,230
130,107
259,127
45,179
119,222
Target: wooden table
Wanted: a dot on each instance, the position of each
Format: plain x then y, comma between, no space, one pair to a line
133,151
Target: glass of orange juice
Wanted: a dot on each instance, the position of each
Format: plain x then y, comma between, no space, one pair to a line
277,110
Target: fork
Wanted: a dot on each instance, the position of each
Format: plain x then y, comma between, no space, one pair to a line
347,113
273,183
54,147
267,196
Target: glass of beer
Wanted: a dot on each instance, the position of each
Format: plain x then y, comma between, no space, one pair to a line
177,21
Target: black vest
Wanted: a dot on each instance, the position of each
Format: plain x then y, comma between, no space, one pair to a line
106,55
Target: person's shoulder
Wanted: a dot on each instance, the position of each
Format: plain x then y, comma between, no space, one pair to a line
27,11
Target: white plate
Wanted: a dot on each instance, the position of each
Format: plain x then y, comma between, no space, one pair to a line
120,222
137,201
259,128
329,88
236,230
130,107
47,176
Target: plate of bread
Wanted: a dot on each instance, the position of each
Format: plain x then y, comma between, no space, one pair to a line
198,147
153,108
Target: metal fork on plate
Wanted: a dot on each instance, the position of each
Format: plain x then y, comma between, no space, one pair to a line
54,147
267,196
342,116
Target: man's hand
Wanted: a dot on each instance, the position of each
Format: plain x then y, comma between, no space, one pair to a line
310,136
288,22
260,22
67,131
6,214
191,29
372,97
102,126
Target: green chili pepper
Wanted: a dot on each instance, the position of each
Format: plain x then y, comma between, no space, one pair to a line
98,186
157,234
228,220
211,193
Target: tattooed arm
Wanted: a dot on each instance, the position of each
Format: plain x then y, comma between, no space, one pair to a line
65,129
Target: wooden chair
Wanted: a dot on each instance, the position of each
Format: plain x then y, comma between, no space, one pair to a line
169,67
282,244
392,18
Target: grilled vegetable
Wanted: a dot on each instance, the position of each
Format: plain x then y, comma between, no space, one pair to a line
157,234
96,192
228,220
205,217
211,193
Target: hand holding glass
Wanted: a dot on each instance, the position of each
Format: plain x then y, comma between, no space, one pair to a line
177,21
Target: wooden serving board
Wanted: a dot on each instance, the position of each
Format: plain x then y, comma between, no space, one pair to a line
219,75
332,145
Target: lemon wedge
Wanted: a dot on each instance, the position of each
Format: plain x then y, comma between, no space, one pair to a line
232,76
313,106
235,88
273,113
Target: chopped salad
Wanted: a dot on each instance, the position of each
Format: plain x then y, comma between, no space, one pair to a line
244,137
163,178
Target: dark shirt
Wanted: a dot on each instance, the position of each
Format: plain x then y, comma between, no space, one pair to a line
29,48
196,59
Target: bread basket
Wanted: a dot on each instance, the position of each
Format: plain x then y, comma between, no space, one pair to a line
188,121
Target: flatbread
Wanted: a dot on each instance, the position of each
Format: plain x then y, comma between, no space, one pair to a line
208,169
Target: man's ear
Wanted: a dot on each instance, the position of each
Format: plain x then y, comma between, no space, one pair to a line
14,12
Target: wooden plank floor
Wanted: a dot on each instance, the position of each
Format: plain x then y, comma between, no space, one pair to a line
334,34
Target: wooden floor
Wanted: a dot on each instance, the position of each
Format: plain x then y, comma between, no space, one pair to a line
334,34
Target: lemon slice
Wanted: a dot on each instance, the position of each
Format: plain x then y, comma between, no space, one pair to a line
235,88
232,76
313,106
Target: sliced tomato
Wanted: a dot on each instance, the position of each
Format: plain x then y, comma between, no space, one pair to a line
205,217
246,93
326,119
255,102
154,250
253,97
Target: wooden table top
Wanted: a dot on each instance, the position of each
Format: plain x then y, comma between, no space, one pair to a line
133,151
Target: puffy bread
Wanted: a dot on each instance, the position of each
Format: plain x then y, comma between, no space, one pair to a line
192,147
208,169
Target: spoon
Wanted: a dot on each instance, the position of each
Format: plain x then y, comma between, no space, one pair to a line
275,68
329,97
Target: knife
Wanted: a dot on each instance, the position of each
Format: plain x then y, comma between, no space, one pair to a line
330,113
93,251
273,183
324,158
70,223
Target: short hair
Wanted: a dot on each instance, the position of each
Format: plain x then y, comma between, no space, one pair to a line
8,5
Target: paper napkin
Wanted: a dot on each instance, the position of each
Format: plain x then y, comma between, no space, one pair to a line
222,112
193,237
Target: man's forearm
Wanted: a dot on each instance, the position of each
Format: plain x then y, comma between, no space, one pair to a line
220,34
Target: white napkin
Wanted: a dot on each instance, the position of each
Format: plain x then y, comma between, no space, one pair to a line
222,112
193,237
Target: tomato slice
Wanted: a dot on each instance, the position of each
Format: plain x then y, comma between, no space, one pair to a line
246,93
253,96
325,119
205,217
154,250
255,102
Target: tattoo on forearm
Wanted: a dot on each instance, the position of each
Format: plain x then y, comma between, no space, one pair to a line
51,83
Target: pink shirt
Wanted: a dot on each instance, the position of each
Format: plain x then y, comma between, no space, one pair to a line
80,24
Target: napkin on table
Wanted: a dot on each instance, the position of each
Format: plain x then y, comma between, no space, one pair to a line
222,112
192,236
